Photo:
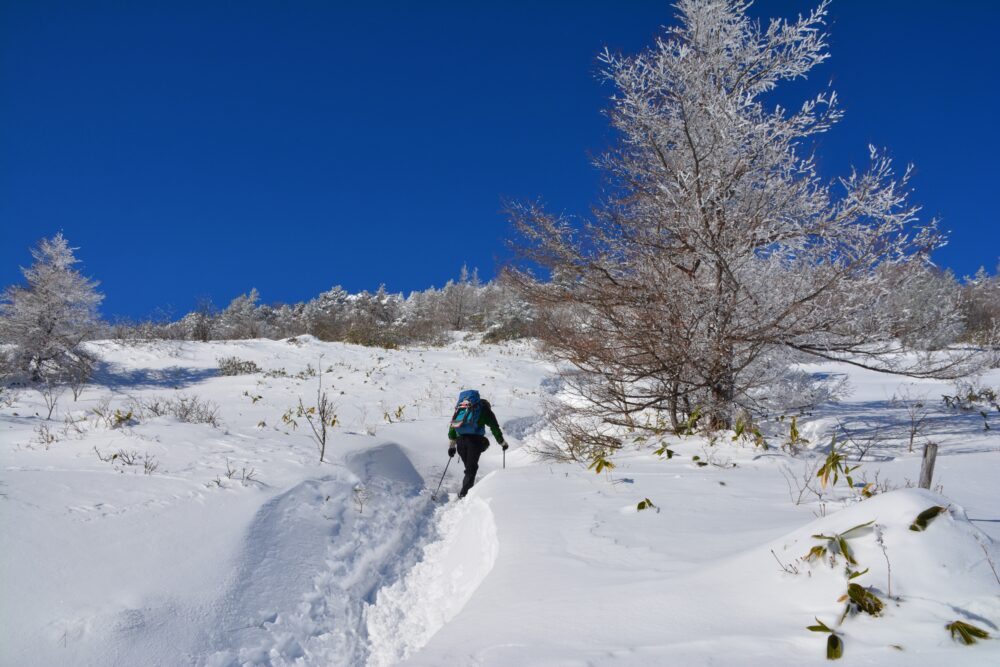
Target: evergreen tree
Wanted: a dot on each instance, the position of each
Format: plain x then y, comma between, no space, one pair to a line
45,320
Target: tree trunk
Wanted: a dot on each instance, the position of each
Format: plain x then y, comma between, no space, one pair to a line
723,394
675,422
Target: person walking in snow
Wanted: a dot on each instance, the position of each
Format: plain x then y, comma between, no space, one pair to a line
467,434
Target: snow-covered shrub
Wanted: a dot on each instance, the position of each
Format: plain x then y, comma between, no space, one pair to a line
44,436
189,409
194,410
8,397
129,457
246,476
113,419
574,434
803,483
200,323
237,366
972,395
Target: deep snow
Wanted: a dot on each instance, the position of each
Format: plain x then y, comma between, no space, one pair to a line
350,562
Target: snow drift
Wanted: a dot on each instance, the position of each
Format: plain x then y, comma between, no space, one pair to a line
407,614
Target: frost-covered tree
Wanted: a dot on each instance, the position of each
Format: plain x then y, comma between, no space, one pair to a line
927,305
379,318
420,319
284,321
721,257
459,305
44,321
373,318
241,318
326,316
981,306
506,316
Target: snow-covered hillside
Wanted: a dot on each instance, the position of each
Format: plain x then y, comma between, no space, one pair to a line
134,536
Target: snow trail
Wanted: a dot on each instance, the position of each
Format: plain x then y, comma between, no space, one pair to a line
312,558
409,612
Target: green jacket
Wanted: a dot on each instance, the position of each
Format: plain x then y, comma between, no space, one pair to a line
486,418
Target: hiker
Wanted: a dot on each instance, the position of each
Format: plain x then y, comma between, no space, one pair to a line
467,434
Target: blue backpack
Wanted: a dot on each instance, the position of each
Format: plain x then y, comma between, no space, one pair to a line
465,421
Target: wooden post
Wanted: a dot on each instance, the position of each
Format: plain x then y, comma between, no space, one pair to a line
927,466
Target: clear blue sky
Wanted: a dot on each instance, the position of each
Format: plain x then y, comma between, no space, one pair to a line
201,148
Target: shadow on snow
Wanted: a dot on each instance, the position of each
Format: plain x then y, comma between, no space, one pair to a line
115,376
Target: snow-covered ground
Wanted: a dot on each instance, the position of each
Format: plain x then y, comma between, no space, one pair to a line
147,540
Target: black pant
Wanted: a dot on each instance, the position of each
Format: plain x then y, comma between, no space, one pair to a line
470,447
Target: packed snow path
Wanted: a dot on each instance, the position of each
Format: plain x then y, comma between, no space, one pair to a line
314,538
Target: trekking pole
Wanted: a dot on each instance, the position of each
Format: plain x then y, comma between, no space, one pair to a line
504,458
434,495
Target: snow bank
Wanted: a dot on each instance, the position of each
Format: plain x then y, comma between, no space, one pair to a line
925,579
408,613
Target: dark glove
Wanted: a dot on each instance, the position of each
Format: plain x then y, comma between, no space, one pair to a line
503,445
451,452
